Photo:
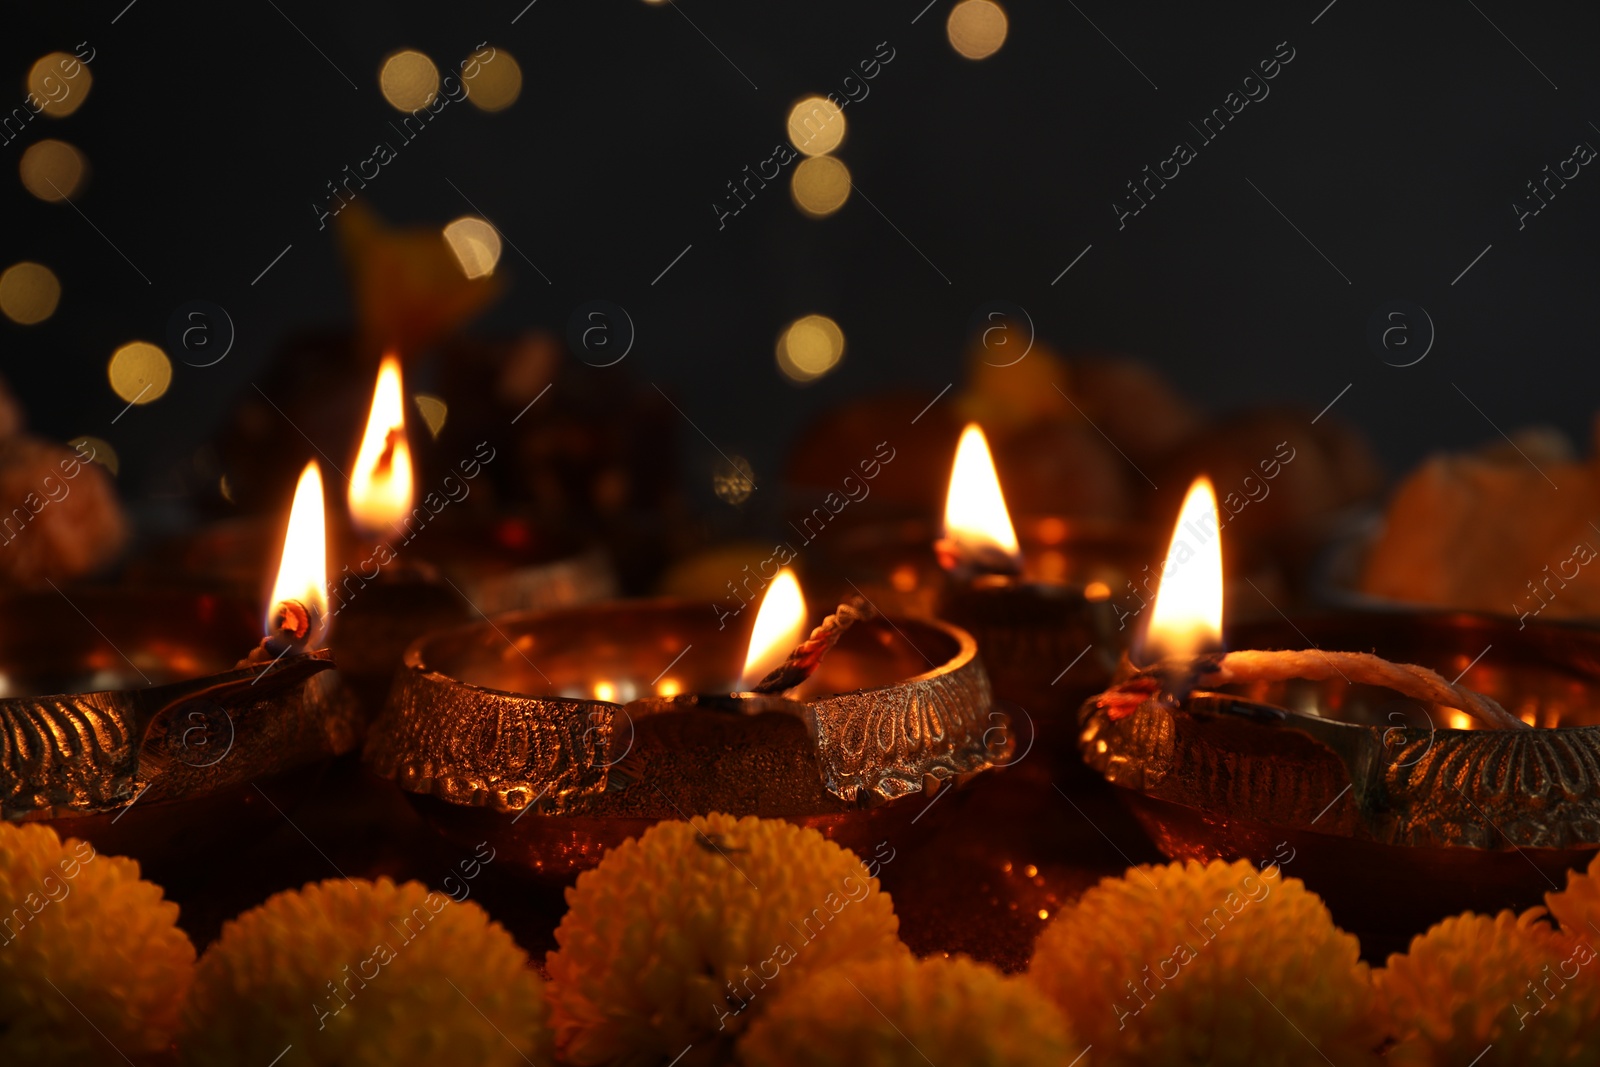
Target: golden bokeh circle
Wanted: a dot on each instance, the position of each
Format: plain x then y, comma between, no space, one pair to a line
810,347
820,186
976,28
476,245
59,84
409,80
497,84
140,372
816,125
52,170
29,293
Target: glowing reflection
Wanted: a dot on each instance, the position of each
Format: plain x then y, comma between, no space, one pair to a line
976,28
29,293
476,245
409,80
140,372
59,84
52,170
816,125
810,348
820,186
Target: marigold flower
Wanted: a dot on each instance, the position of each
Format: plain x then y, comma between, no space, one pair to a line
1216,963
85,946
365,974
902,1012
682,936
1509,990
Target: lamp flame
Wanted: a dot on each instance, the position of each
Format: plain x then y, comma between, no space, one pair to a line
1187,617
975,515
780,625
303,568
380,484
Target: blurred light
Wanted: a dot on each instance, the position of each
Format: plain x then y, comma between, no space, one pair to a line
408,80
225,489
605,691
497,84
1460,720
810,348
976,28
820,186
434,411
29,293
101,451
1097,591
60,84
139,372
476,245
733,480
668,687
816,125
52,170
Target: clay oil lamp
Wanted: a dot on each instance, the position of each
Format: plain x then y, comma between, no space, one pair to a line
130,720
1407,766
556,735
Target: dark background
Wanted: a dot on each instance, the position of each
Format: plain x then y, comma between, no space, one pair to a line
1396,140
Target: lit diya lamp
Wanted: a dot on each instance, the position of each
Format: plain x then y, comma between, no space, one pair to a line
391,593
557,735
1399,795
149,733
1047,641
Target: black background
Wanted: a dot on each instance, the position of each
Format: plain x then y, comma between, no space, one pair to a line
1396,140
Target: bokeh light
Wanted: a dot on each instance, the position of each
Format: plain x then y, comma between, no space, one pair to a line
408,80
52,170
820,186
497,84
976,28
816,125
434,411
733,480
59,83
810,348
476,245
140,372
29,293
100,451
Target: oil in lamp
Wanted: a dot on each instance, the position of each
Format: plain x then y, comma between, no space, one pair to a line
1400,796
556,735
149,735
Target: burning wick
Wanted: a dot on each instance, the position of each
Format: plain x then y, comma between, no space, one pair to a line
978,536
294,624
807,655
1186,623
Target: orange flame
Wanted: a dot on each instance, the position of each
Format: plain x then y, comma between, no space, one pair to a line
975,515
780,625
303,567
1187,617
380,484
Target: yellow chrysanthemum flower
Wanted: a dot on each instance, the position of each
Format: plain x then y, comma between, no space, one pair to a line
1207,964
365,974
1509,991
85,946
680,937
1577,908
902,1012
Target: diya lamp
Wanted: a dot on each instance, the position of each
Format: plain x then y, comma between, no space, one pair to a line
390,594
1401,797
557,735
149,735
1047,641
